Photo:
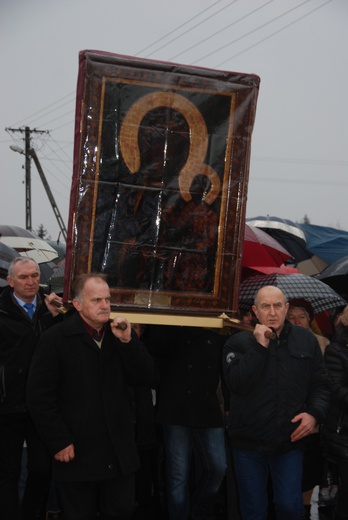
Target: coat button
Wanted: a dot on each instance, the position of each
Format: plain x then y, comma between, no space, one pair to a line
110,466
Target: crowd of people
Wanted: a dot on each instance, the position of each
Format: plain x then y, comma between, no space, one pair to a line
121,421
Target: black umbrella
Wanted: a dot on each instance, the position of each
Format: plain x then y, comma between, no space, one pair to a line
7,254
336,275
320,295
293,239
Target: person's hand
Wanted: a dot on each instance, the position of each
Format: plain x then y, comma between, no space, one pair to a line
121,328
343,318
53,307
306,427
66,455
259,334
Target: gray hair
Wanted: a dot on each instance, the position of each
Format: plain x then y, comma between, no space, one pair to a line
21,260
82,279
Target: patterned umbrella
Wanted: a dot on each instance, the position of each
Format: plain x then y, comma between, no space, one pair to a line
320,295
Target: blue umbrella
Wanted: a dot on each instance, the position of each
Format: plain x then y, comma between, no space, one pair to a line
329,243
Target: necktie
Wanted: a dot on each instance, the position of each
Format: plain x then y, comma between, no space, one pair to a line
30,309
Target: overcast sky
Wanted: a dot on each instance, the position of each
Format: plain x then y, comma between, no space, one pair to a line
299,153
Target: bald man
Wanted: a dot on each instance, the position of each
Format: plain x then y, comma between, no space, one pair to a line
278,394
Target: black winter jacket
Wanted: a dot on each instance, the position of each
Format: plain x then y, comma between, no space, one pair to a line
335,429
77,393
190,369
18,338
270,386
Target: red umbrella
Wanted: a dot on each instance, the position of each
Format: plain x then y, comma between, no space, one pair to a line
264,269
262,250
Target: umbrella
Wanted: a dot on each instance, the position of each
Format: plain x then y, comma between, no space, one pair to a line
329,243
293,239
27,243
60,248
264,269
299,285
336,275
7,254
260,249
56,282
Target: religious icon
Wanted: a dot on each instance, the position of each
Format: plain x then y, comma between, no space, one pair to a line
160,180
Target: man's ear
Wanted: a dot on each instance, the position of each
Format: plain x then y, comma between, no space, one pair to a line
10,281
77,304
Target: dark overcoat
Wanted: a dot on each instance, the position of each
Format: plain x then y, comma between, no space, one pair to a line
18,338
189,360
77,393
335,429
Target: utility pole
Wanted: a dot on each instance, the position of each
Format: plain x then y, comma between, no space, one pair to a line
27,137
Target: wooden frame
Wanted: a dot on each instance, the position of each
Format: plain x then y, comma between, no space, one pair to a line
161,167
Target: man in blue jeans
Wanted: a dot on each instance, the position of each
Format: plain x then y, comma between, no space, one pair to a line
278,394
189,411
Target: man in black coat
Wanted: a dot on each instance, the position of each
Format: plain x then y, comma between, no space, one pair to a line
278,394
335,429
191,416
19,334
79,399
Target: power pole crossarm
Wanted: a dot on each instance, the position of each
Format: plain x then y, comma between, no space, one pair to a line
56,211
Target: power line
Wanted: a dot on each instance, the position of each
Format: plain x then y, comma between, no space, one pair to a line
251,32
45,108
176,29
191,28
271,35
220,31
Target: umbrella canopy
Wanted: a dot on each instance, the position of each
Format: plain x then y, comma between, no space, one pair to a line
321,296
264,269
56,282
336,275
293,239
260,249
60,248
7,254
329,243
27,243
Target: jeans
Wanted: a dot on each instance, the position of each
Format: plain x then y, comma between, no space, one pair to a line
252,469
179,442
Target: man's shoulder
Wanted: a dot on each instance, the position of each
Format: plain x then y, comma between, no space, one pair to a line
242,339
